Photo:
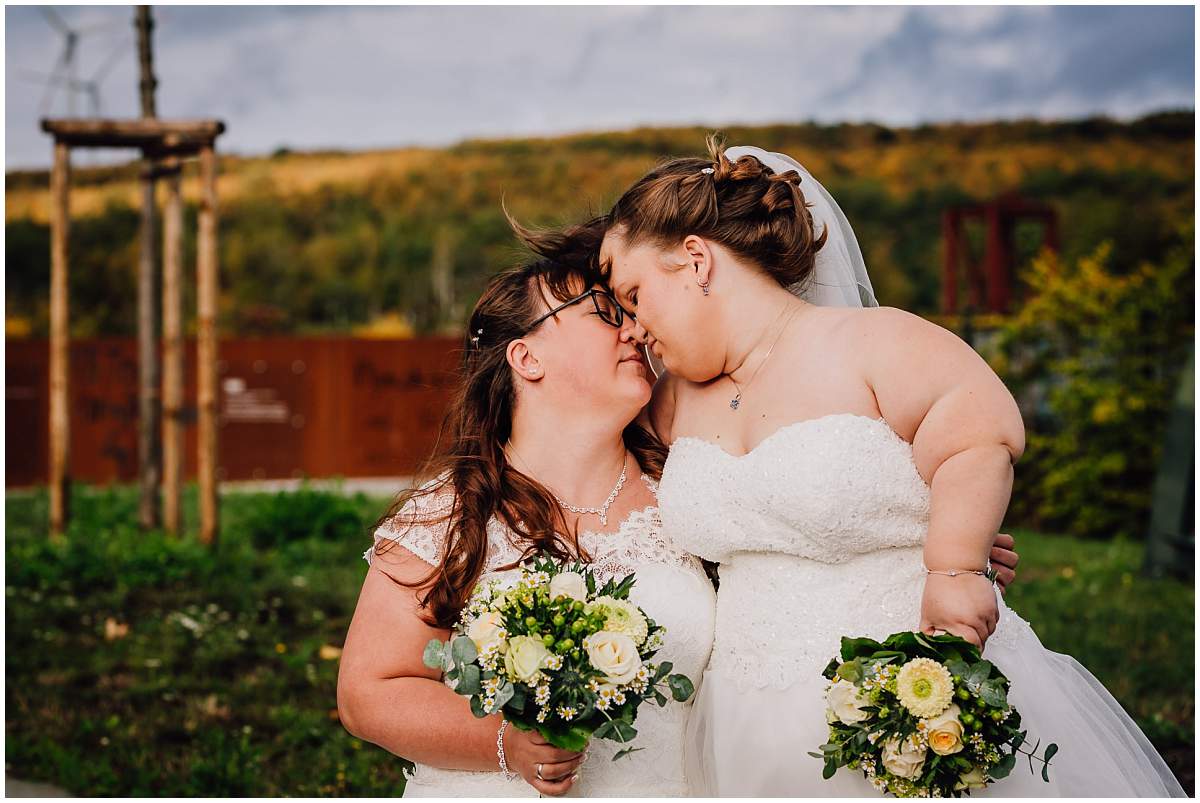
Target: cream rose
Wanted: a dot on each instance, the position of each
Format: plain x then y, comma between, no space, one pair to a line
569,584
845,703
525,658
903,760
975,779
487,628
945,732
614,654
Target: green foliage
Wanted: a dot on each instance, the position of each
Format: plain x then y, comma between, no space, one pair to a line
219,686
305,513
1097,352
417,236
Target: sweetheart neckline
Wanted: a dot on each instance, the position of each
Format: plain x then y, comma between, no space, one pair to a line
786,427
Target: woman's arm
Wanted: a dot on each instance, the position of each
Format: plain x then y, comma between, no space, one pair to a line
386,695
966,433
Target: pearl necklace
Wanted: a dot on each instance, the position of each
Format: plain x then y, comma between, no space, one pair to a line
601,511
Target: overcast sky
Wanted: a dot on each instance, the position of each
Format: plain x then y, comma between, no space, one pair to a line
367,77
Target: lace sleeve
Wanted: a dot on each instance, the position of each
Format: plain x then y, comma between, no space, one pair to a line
420,527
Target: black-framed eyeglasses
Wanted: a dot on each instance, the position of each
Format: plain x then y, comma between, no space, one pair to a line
606,305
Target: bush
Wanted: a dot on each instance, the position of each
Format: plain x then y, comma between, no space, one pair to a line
305,513
1095,359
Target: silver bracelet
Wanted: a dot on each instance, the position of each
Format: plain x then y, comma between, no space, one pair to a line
989,572
508,776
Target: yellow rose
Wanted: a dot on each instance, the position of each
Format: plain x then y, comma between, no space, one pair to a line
975,779
525,658
614,654
487,628
903,760
569,584
945,732
845,703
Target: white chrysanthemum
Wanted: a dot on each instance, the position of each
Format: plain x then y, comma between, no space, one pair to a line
924,687
621,616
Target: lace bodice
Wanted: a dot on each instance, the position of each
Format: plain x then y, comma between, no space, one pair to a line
671,587
819,533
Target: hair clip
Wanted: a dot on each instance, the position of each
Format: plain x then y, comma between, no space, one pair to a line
475,338
708,171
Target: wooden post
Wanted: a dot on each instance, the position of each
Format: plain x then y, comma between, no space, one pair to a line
149,374
206,351
172,388
149,367
60,419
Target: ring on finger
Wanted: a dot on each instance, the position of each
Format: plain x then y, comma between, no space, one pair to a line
539,772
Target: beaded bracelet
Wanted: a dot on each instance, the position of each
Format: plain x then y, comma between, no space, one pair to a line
990,573
508,776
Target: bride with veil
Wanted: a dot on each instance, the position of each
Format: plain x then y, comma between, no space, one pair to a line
846,465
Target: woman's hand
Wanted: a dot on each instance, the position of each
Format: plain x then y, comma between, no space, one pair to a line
527,751
964,605
1004,560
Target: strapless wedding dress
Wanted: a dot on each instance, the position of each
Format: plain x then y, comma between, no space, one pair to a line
818,532
671,587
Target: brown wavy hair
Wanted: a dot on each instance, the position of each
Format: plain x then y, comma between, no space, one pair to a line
469,465
745,206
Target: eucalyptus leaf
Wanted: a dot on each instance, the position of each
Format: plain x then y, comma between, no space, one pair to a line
463,650
469,682
992,693
626,751
503,695
978,673
830,769
681,687
851,671
477,707
433,654
1003,767
517,703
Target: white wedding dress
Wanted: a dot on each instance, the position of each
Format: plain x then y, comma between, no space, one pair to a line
819,532
671,587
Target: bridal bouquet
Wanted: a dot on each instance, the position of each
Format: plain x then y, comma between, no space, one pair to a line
558,654
922,716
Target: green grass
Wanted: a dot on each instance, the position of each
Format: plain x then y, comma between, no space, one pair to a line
219,688
1088,599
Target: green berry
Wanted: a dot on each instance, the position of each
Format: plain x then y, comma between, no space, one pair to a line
548,640
968,718
559,620
565,645
963,694
577,606
997,715
977,725
531,622
578,625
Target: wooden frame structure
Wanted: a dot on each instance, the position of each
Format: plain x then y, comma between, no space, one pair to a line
165,143
989,284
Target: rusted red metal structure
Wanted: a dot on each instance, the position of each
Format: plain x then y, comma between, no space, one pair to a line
287,407
989,281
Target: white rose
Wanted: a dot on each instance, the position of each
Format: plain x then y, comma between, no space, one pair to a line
614,654
845,703
525,658
902,759
975,779
945,732
486,629
569,584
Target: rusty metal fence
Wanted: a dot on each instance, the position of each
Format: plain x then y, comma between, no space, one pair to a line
289,407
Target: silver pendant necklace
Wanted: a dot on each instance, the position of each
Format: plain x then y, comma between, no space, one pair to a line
736,401
601,511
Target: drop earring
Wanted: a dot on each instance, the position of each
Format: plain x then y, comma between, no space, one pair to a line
704,287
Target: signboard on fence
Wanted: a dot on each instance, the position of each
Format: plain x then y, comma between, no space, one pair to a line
289,407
